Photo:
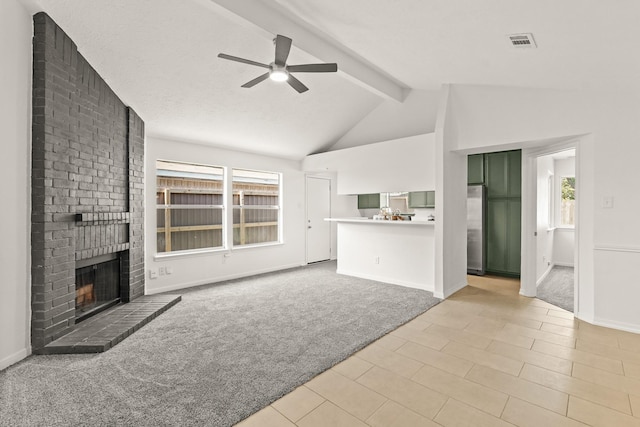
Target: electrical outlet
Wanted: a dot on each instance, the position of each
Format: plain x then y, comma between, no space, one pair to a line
161,270
168,270
153,274
377,260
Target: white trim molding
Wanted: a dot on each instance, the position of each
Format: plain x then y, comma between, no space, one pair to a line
613,248
13,358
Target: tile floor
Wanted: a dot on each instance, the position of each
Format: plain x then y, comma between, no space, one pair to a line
484,357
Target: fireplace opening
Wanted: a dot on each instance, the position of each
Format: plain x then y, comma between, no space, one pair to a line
97,285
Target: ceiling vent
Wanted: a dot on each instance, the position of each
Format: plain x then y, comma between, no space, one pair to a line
522,40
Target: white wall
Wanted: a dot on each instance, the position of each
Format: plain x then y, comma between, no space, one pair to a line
544,218
404,164
191,270
393,120
15,118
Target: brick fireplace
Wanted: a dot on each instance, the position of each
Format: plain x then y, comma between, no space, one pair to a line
87,184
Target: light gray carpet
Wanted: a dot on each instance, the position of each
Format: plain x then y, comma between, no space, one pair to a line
224,352
557,288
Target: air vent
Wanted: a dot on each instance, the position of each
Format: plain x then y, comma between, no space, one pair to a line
522,40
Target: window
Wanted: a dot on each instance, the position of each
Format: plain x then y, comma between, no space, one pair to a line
568,201
190,206
256,207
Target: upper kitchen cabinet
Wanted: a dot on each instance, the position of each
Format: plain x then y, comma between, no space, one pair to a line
369,201
422,199
475,169
503,174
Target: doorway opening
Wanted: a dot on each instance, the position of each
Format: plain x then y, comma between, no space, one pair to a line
318,208
550,225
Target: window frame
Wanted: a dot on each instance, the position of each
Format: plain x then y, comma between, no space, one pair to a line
222,208
279,207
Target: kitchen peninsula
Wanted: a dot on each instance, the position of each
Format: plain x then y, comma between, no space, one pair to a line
398,252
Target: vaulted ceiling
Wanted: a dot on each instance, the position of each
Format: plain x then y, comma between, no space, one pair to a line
160,57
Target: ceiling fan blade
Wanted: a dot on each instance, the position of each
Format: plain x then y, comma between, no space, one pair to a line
283,46
244,61
296,84
257,80
313,68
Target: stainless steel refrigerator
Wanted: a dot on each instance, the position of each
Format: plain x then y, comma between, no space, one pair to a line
475,229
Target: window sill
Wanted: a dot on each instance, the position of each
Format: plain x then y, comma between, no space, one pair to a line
565,228
202,252
196,252
256,245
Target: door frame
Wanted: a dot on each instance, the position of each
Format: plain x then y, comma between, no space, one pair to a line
530,156
306,214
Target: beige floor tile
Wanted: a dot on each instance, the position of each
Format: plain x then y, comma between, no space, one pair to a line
416,324
454,320
483,357
391,342
586,335
580,356
577,387
541,335
608,351
523,321
607,379
298,403
267,417
599,416
545,397
632,370
464,337
390,360
629,342
407,393
421,337
560,313
466,391
393,415
525,414
347,394
559,330
553,363
329,414
353,367
458,414
488,329
635,405
438,359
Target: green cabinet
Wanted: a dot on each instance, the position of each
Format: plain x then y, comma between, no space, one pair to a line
504,174
422,199
369,201
503,179
475,169
503,236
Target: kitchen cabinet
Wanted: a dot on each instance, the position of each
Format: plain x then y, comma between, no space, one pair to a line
503,173
422,199
369,201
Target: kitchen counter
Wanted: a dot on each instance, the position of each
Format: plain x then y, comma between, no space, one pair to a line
398,252
363,220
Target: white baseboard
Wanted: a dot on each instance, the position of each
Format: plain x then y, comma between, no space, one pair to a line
455,289
423,286
613,324
179,286
564,264
13,358
545,274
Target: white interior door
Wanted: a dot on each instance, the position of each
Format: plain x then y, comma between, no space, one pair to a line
318,230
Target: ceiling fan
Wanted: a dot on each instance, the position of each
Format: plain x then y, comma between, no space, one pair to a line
279,70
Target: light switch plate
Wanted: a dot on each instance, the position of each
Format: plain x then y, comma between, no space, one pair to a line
607,202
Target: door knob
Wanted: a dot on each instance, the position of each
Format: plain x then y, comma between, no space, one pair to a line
308,226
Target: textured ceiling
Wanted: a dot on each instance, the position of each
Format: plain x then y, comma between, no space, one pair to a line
160,57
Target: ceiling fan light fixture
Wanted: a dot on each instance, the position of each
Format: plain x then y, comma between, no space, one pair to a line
279,75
